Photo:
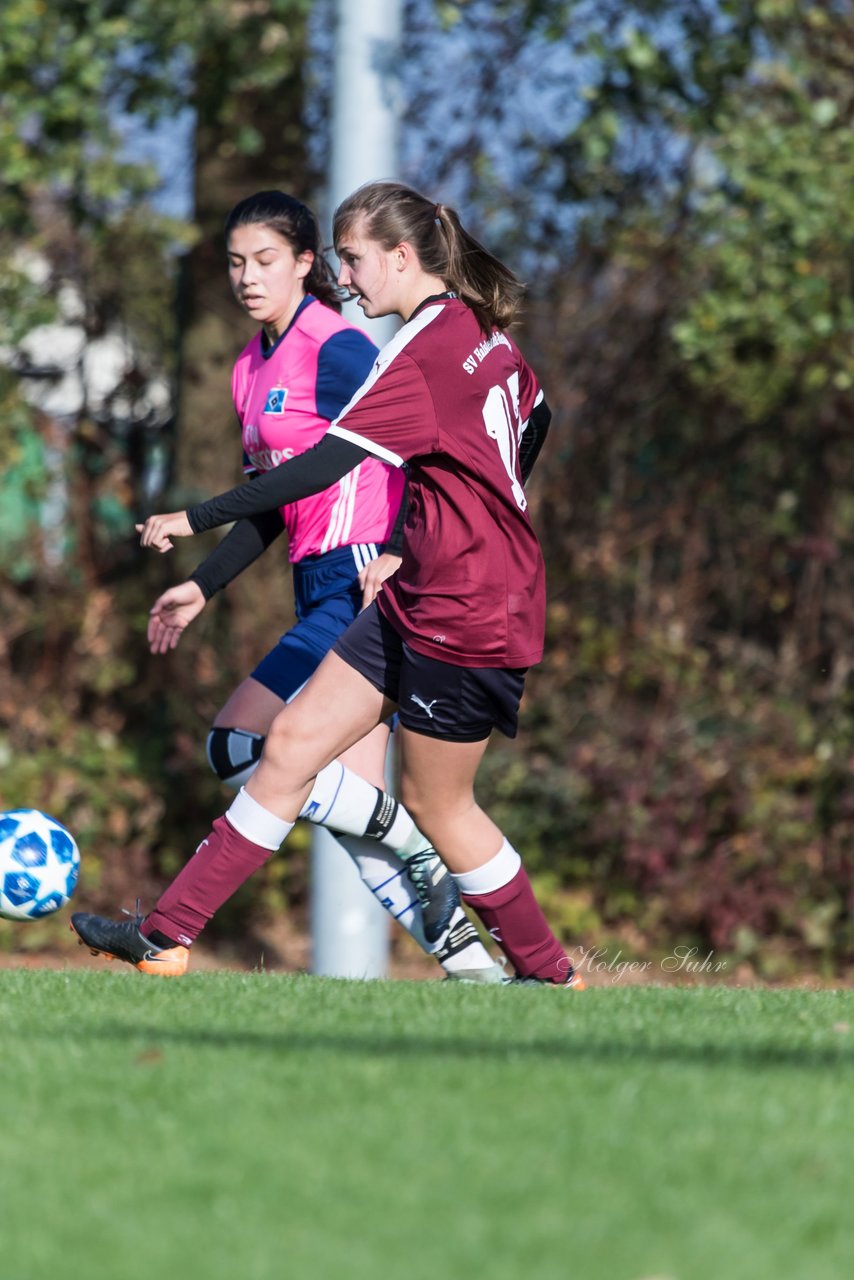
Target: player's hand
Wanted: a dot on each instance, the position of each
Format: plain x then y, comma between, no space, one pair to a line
171,613
374,574
158,531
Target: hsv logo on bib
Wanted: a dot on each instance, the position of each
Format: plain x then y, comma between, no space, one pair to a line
275,402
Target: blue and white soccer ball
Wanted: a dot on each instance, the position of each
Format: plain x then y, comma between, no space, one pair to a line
39,864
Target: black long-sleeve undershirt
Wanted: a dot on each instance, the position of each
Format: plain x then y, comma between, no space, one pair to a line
254,504
250,537
240,547
533,438
309,472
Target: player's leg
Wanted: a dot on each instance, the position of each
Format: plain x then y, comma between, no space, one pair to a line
330,714
437,783
236,739
321,722
334,710
349,792
441,927
458,950
442,706
349,798
328,599
365,762
447,714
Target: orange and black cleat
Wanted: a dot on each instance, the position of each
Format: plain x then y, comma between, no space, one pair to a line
122,940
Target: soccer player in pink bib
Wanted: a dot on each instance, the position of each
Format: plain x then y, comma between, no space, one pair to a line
448,639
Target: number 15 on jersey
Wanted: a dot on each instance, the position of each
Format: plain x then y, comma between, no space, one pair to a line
503,425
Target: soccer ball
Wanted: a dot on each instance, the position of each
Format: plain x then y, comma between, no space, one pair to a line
39,864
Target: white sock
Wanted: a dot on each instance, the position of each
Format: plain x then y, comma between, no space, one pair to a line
491,875
385,875
346,803
256,823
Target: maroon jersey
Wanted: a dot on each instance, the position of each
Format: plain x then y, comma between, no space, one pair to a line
452,403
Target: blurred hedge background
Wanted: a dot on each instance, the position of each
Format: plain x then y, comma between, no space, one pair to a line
674,182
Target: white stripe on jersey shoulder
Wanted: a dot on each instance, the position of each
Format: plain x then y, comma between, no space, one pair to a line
385,356
385,455
524,427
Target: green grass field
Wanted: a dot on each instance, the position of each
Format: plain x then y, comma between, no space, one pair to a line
248,1126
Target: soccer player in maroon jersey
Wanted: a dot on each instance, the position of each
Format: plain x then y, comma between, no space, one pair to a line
293,377
449,638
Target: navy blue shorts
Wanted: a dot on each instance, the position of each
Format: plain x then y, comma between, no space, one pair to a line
327,598
456,704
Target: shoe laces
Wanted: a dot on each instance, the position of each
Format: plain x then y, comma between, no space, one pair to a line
136,915
420,866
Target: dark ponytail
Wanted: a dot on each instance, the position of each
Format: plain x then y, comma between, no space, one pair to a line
295,223
394,213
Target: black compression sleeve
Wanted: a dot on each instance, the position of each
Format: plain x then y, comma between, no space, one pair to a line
533,437
239,548
308,473
394,541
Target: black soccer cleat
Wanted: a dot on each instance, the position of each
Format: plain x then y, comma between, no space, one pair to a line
122,940
460,938
437,892
461,934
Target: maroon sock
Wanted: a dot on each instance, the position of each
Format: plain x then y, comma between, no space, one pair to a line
516,922
216,870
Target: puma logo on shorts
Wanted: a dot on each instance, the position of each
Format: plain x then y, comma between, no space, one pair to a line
428,706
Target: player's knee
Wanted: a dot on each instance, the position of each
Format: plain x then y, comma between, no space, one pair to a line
233,754
282,747
435,811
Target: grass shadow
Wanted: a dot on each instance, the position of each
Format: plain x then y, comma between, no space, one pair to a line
574,1049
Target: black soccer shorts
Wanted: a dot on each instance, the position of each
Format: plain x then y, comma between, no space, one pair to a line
456,704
